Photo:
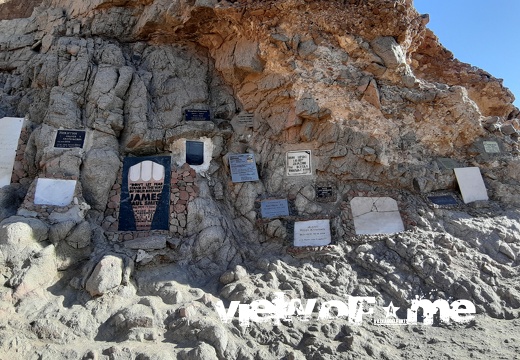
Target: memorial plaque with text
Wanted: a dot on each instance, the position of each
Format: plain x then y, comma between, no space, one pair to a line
274,208
9,135
491,147
443,200
325,193
299,163
243,167
67,139
312,233
197,115
471,184
246,119
194,152
145,194
54,192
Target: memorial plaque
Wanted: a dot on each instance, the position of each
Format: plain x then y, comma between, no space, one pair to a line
447,163
197,115
299,163
67,139
443,200
376,215
491,147
325,193
246,119
145,194
9,135
54,192
243,167
471,184
274,208
312,233
194,152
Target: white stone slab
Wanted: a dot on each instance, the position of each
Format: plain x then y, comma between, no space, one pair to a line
376,215
54,192
10,129
298,163
471,184
312,233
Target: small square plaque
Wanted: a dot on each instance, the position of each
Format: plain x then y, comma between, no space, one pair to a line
246,119
447,163
274,208
299,163
194,152
197,115
491,147
243,168
67,139
312,233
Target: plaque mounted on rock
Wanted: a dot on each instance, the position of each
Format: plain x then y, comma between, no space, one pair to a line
197,115
298,163
145,194
491,147
447,163
55,192
243,167
376,215
68,139
9,135
325,193
312,233
274,208
246,119
194,152
444,200
471,184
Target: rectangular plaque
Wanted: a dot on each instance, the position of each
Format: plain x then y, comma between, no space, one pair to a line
54,192
243,167
197,115
274,208
194,152
324,192
491,147
312,233
376,215
443,200
67,139
299,163
145,194
447,163
9,136
246,119
471,184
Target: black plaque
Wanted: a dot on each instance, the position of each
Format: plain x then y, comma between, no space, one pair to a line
68,139
194,152
443,200
197,115
324,192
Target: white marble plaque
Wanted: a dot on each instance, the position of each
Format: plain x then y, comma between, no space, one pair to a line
471,184
491,147
312,233
10,129
376,215
54,192
298,163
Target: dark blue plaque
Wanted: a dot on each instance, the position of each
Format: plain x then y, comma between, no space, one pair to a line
274,208
68,139
197,115
243,167
194,152
443,200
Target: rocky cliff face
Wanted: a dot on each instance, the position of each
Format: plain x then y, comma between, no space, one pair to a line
361,84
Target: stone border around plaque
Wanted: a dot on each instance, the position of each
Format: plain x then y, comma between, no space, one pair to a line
298,163
197,115
443,200
69,139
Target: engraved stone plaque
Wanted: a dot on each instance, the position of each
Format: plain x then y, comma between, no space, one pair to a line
312,233
54,192
274,208
67,139
9,135
376,215
298,163
491,147
471,184
243,167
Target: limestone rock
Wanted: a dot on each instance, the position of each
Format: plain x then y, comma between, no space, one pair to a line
107,275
